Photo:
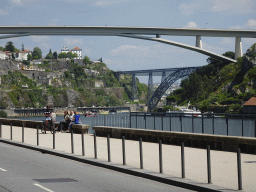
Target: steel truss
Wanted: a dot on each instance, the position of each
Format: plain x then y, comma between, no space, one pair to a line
150,85
166,83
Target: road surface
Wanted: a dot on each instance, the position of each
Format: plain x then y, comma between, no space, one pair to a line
26,170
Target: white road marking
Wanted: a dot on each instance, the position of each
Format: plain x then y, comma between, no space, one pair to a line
43,187
2,169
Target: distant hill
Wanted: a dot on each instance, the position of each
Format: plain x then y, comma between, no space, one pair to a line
220,86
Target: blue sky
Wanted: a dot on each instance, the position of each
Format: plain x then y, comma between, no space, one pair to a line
121,53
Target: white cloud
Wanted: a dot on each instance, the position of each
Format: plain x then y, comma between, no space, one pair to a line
53,22
108,2
188,9
43,42
23,24
139,51
3,12
233,7
21,2
228,40
213,48
191,25
15,2
250,24
73,42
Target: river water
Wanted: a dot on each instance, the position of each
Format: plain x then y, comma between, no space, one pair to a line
209,125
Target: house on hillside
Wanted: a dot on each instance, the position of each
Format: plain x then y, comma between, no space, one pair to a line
22,55
78,51
3,55
249,107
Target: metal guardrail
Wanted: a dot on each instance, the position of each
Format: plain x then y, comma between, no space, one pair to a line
212,123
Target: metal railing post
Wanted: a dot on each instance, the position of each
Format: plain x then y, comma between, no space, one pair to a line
82,143
72,141
108,145
182,161
95,146
11,131
22,133
53,138
141,154
239,169
0,130
160,157
193,123
123,149
202,123
37,135
209,164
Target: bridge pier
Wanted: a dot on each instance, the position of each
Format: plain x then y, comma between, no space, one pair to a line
135,96
199,41
238,48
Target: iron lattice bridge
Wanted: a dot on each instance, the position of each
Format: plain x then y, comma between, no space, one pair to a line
169,76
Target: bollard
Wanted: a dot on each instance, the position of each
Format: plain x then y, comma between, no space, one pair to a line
0,130
95,146
209,172
82,143
141,155
182,161
160,157
22,133
108,144
37,135
72,142
239,169
123,148
11,131
53,137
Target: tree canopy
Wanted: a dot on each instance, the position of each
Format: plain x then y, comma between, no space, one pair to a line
86,60
63,55
37,53
9,46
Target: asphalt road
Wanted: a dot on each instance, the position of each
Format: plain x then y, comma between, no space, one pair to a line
26,170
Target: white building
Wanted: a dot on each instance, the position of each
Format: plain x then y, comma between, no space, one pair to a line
78,51
3,55
64,49
22,55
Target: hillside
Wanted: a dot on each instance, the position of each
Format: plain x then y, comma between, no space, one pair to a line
79,85
219,86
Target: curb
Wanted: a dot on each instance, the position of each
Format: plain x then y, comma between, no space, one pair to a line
163,178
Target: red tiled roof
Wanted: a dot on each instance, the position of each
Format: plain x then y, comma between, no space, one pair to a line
251,101
76,48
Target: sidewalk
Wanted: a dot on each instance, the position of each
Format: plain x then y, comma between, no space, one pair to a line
223,164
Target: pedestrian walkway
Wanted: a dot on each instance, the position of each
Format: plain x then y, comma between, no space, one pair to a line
223,164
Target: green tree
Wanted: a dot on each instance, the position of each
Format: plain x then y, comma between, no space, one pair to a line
9,46
3,114
30,57
49,56
86,60
62,55
37,52
55,55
